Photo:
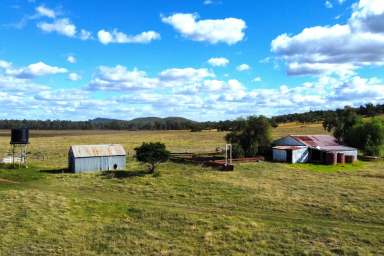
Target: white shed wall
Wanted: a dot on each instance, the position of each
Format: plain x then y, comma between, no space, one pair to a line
300,155
102,163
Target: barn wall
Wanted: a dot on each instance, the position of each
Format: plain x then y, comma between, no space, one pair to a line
279,155
104,163
300,155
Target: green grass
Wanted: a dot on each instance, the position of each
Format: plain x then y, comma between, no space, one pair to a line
328,168
259,209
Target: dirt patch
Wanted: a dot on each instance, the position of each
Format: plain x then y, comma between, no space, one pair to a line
377,176
8,181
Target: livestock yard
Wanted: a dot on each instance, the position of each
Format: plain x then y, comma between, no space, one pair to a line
259,209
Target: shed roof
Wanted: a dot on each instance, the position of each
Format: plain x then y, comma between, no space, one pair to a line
97,150
316,140
337,148
289,147
321,142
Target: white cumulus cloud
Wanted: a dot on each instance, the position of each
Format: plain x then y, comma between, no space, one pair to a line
60,26
34,70
119,78
106,37
243,67
341,48
228,30
218,62
74,76
85,34
71,59
46,12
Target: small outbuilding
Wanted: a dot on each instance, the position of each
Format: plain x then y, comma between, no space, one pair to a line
90,158
312,148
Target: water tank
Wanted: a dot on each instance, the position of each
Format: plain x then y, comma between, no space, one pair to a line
350,159
331,158
20,136
340,158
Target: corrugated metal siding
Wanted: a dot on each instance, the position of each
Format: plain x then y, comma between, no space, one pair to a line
102,163
298,156
279,155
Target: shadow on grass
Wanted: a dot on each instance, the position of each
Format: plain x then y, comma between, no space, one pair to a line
124,174
57,171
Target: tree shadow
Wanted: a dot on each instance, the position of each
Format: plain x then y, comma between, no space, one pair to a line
124,174
57,171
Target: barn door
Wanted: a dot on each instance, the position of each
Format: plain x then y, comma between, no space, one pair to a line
289,156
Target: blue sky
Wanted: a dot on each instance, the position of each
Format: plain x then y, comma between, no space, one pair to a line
201,59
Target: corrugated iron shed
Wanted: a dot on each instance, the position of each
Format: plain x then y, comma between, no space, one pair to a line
288,148
80,151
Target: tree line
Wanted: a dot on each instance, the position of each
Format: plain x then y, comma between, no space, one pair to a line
98,125
175,123
320,115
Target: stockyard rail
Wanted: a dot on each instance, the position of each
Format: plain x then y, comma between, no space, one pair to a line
214,160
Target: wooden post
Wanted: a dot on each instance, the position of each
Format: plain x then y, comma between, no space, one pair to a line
228,154
13,155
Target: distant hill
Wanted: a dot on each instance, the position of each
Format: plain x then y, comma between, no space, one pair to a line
104,120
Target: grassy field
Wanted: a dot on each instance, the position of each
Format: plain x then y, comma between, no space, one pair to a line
50,148
259,209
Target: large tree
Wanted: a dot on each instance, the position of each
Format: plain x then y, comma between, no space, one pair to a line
341,122
367,136
253,135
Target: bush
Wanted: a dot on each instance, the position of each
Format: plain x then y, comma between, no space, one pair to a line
367,136
254,134
152,154
237,151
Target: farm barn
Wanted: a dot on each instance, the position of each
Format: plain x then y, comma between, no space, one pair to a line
312,148
89,158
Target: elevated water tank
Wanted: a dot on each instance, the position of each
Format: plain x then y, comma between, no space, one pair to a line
331,158
20,136
340,158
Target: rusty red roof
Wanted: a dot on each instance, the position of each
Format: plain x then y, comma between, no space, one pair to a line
316,140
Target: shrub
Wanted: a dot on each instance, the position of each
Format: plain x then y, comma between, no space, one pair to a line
152,154
367,136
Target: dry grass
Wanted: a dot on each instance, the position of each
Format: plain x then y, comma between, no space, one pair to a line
259,209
